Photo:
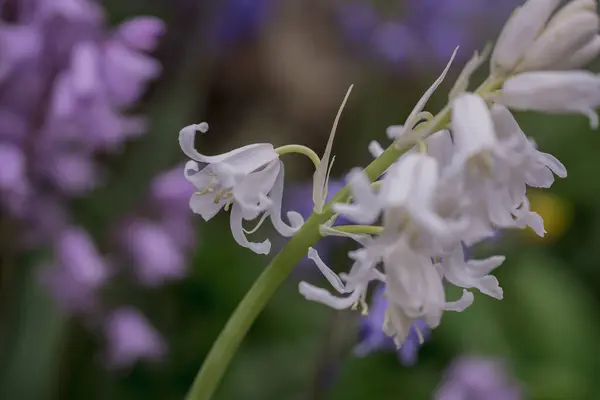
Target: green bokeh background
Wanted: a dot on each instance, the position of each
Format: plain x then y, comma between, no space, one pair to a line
284,86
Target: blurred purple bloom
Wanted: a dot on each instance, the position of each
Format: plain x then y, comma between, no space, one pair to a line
158,244
130,338
394,42
358,19
373,338
236,20
12,173
427,31
141,33
156,256
471,377
78,273
65,82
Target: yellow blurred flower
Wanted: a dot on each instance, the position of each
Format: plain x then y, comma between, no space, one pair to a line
555,211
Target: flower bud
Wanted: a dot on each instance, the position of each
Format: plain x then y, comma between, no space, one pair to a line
571,29
581,57
565,92
519,33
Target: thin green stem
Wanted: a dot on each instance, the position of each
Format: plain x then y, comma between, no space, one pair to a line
366,229
300,149
219,357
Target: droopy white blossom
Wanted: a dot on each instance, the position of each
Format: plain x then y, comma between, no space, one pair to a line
557,92
415,291
493,163
249,180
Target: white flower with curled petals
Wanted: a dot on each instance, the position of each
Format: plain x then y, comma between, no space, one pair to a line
562,92
248,179
472,273
415,290
528,165
479,171
354,284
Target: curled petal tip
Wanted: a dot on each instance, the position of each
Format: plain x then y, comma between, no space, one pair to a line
202,127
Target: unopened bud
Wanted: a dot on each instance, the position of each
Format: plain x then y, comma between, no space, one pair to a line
569,30
519,33
564,92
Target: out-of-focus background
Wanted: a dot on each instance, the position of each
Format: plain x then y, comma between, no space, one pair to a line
110,288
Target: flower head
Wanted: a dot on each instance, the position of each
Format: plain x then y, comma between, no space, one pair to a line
248,179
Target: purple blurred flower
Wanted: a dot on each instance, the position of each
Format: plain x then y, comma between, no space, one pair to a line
154,252
78,273
130,338
472,377
158,243
65,83
236,20
427,31
373,338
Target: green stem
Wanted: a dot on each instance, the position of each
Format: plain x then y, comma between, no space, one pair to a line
299,149
366,229
217,360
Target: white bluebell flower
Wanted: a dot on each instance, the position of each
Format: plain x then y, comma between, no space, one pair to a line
248,179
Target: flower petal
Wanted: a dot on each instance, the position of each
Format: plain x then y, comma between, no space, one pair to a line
276,196
320,295
237,231
331,276
462,304
247,158
321,175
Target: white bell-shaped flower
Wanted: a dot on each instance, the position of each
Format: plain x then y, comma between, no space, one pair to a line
480,170
415,290
562,92
248,179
